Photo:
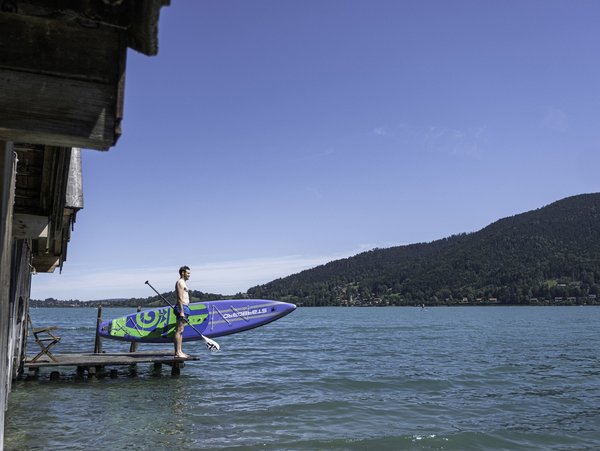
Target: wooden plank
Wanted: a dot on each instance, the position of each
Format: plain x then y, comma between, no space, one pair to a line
44,109
115,13
29,226
143,34
53,47
107,359
45,262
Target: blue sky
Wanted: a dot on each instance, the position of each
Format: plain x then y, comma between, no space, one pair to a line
268,137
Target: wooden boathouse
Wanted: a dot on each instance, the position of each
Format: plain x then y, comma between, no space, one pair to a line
62,81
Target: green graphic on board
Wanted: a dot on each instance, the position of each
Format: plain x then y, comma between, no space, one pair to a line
155,323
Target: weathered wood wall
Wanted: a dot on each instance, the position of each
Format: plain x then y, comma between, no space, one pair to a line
7,188
18,305
15,283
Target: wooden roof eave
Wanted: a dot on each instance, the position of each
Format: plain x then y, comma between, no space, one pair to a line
66,68
47,221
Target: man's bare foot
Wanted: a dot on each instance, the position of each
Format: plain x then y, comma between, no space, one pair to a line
181,355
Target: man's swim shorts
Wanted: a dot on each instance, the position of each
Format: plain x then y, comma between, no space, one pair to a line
186,311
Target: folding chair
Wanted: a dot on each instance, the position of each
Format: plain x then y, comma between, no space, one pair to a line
45,339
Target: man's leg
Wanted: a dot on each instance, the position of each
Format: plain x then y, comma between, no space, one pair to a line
178,340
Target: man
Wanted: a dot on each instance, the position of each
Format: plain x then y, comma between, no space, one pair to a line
182,309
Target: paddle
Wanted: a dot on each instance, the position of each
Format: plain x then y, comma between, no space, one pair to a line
210,344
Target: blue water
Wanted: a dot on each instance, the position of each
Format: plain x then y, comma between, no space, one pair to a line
489,378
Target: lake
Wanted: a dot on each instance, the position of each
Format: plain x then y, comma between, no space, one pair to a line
442,378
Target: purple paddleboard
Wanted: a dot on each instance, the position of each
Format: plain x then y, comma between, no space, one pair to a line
211,319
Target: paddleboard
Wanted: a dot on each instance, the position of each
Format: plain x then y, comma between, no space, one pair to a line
211,319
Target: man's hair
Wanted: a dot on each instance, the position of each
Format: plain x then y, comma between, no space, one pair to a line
183,269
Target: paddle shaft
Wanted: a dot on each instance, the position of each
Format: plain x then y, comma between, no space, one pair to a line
171,305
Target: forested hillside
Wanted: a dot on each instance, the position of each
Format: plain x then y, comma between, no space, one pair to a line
151,301
550,255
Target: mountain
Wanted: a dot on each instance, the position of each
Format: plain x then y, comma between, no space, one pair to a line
549,256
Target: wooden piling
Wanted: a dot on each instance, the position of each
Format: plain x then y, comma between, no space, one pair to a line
176,368
98,341
134,345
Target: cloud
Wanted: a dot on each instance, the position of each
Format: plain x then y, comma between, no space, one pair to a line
555,119
468,143
309,155
314,192
381,131
228,277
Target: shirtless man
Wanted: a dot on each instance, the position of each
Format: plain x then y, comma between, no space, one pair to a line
182,309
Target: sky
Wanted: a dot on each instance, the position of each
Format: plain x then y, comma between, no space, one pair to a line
272,136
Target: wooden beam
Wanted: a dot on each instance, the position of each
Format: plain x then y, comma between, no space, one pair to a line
116,13
49,46
45,262
43,109
29,226
61,84
143,34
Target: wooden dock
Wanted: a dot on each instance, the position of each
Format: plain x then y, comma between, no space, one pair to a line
95,364
98,363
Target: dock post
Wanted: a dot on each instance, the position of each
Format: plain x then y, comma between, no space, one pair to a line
176,368
32,373
98,342
134,344
132,370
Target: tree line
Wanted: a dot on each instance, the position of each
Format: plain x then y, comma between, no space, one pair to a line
149,302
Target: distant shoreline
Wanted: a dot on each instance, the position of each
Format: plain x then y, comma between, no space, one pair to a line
94,304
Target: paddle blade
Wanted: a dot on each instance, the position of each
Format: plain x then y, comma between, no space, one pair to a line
212,345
